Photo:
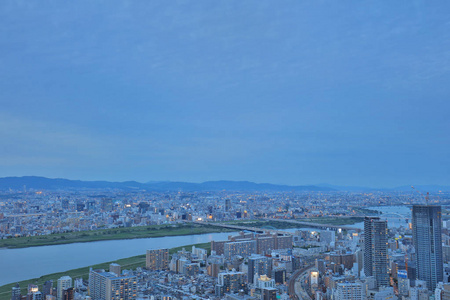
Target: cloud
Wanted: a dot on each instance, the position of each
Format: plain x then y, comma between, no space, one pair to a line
37,142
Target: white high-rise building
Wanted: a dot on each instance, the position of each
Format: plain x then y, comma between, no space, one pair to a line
349,291
108,286
64,283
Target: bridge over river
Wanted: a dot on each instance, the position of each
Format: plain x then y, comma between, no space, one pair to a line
277,231
318,225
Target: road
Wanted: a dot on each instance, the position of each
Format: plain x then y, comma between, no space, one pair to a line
317,225
248,228
291,285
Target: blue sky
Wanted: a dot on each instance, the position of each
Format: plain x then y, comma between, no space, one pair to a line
293,92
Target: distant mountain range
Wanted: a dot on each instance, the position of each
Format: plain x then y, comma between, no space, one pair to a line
37,183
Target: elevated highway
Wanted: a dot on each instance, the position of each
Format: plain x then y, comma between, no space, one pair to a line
292,281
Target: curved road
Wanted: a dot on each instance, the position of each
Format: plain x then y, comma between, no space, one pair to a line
293,279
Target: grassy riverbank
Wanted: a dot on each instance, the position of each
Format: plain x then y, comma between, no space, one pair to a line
365,211
110,234
277,224
334,220
280,224
126,263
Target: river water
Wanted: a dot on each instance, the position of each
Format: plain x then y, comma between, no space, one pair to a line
396,216
25,263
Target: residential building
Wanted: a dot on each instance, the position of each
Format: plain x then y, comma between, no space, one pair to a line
157,259
375,247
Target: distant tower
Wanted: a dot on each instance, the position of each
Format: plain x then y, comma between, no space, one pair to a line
427,239
375,250
227,204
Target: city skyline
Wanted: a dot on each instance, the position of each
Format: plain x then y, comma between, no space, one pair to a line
344,243
44,183
300,93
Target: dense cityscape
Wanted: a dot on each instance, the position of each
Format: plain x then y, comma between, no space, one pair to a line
281,245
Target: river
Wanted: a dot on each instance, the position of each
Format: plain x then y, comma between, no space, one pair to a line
396,216
25,263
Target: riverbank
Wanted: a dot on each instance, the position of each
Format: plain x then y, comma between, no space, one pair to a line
110,234
264,224
281,224
126,263
334,220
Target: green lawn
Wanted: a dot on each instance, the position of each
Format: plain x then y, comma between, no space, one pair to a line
109,234
126,263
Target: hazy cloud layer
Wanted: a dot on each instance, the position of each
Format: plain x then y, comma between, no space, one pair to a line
293,92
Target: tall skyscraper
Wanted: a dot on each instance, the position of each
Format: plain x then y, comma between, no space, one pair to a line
427,238
375,250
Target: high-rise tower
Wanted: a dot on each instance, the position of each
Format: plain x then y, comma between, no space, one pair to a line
64,283
427,238
157,259
375,250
